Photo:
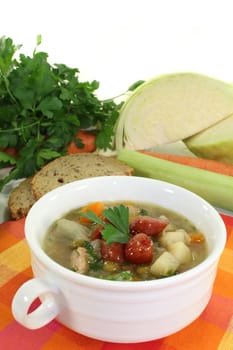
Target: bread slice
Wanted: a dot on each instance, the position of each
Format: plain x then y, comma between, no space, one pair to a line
75,167
21,199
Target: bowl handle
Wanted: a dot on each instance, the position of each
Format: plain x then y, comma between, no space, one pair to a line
24,298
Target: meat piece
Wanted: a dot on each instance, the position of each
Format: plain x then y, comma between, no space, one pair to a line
79,260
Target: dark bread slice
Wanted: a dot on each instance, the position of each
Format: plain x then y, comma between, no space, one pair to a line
75,167
21,199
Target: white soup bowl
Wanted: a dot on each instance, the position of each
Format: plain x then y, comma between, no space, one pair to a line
117,311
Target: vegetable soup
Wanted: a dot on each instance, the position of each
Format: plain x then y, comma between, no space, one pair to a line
125,240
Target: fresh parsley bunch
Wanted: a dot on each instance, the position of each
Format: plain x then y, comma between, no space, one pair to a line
42,107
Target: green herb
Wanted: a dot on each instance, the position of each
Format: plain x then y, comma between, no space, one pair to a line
143,212
95,262
42,107
135,85
116,229
121,276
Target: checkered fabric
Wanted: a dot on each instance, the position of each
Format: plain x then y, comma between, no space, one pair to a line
212,330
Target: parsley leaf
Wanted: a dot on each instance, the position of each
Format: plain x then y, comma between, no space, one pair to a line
111,235
135,85
119,217
93,217
116,228
6,158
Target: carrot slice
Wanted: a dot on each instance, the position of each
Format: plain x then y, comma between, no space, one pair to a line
88,141
206,164
96,207
10,150
197,237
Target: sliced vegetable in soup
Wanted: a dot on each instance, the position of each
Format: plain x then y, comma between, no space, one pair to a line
125,240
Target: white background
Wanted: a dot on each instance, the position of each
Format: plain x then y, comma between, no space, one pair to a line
119,42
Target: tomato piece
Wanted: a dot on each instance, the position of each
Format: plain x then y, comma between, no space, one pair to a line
148,225
96,234
112,252
139,249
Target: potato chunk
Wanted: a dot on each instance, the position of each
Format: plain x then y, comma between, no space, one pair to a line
165,265
181,251
170,237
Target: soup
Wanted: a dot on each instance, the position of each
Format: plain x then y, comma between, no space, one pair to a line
125,241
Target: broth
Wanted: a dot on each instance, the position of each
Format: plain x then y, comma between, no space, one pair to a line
78,244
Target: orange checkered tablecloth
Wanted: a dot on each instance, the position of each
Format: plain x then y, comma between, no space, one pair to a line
212,330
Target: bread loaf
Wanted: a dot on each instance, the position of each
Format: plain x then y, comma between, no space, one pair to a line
75,167
21,199
59,172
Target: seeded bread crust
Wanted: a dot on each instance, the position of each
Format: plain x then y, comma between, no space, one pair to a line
21,200
75,167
